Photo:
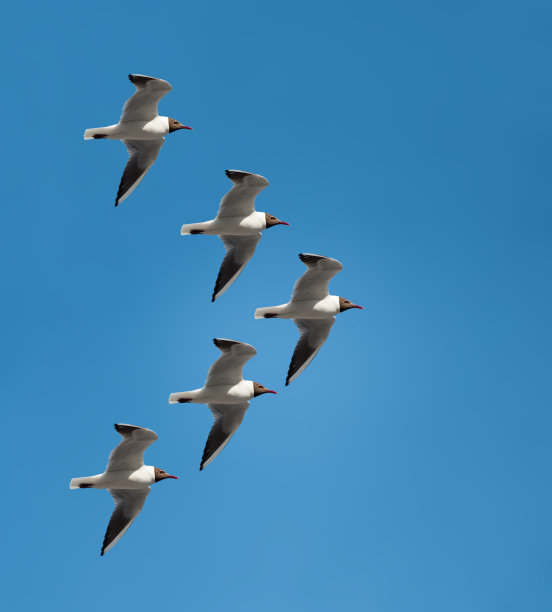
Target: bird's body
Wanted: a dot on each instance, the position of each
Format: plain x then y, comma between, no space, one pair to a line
238,225
234,226
119,479
216,394
311,308
141,129
127,479
226,393
131,130
302,309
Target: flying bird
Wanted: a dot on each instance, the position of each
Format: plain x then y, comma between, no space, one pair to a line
238,225
126,478
141,129
312,309
226,393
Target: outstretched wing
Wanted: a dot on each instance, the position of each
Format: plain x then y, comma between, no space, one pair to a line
129,454
313,285
142,106
227,369
240,200
239,250
142,154
314,333
228,418
128,503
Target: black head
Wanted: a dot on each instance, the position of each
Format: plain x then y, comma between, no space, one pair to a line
259,389
161,474
271,220
346,304
176,125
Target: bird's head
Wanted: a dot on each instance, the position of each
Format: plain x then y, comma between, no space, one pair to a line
161,474
176,125
271,220
345,304
259,389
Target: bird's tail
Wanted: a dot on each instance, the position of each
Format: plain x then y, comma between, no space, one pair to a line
101,132
82,483
194,228
270,312
181,398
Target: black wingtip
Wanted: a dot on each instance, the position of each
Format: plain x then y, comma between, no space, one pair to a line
102,553
201,468
213,299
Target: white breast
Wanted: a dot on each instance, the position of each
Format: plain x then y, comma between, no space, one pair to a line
314,309
239,226
144,130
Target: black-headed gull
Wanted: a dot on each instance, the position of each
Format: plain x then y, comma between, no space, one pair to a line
237,224
312,309
141,129
127,479
226,393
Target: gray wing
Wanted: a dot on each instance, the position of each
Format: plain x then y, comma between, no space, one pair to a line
228,418
240,200
227,369
129,454
142,106
313,285
142,154
128,503
239,250
314,333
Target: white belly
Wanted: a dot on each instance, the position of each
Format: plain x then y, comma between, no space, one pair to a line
125,479
142,130
226,394
312,309
240,226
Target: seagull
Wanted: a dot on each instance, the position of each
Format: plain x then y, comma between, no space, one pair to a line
237,224
312,309
141,129
126,478
226,393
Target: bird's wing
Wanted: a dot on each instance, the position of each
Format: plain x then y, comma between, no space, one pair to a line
142,106
142,154
129,455
313,334
228,418
128,503
227,369
240,200
239,250
313,285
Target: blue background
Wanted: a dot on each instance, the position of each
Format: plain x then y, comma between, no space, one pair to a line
408,468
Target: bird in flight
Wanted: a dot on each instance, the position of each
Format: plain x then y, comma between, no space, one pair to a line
126,478
226,394
141,129
312,309
238,225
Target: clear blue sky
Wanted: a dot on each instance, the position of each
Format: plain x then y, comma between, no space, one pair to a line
408,468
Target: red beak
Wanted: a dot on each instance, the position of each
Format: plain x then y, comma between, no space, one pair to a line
356,306
270,391
283,223
186,127
175,477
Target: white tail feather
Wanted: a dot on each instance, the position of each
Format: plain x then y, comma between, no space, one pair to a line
76,482
261,312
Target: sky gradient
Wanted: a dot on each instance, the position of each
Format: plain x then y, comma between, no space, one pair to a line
408,468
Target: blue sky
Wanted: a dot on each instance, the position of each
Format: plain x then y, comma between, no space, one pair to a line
408,467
